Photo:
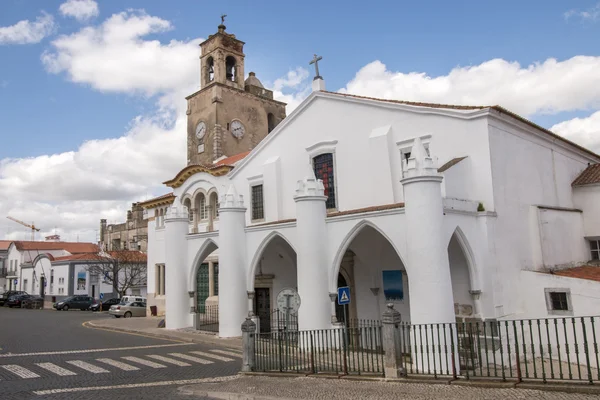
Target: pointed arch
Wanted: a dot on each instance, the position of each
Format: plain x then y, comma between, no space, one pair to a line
352,234
461,238
259,253
205,250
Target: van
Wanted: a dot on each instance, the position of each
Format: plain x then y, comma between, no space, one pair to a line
130,299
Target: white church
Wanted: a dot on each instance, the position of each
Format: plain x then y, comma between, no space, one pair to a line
448,212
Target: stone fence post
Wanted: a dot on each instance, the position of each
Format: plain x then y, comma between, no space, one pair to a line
392,359
248,337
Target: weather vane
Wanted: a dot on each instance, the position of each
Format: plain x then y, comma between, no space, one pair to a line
223,19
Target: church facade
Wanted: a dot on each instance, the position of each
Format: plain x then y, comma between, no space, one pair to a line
448,212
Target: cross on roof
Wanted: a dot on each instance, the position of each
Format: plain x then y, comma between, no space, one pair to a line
315,61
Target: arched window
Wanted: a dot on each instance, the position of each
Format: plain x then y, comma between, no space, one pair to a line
323,165
210,69
156,218
230,68
271,122
201,206
187,203
214,203
161,218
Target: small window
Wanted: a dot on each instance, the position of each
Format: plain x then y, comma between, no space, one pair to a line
210,64
595,249
323,166
558,301
270,122
258,210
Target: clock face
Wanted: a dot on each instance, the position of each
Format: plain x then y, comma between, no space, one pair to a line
200,130
237,129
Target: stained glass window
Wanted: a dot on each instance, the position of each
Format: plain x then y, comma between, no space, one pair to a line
323,165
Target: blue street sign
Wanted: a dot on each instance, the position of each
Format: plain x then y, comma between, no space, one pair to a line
343,295
16,281
101,296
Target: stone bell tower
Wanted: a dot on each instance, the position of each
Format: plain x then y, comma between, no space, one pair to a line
228,115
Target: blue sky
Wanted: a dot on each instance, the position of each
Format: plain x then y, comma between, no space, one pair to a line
53,100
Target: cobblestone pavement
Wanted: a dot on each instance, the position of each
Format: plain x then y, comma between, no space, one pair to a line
307,388
47,354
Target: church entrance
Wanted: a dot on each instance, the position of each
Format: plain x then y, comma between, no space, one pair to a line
262,305
207,284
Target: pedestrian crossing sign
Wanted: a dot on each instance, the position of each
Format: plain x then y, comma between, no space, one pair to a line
343,295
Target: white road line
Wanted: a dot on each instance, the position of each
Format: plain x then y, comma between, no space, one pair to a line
169,360
118,364
214,356
87,366
133,385
48,353
228,353
191,358
55,369
20,371
144,362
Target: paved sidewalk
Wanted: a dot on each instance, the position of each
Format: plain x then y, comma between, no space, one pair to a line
307,388
148,326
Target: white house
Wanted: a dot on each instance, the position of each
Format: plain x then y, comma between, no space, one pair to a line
446,211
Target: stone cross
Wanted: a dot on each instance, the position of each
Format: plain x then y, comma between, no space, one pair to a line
315,61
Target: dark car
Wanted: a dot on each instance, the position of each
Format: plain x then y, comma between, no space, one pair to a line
16,300
105,304
32,302
4,297
75,302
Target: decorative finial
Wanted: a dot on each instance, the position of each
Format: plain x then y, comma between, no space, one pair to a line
223,19
315,61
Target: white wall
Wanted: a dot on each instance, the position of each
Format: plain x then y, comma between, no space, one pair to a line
586,198
561,235
60,271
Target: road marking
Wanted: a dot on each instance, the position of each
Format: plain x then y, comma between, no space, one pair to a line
144,362
134,385
118,364
49,353
208,355
55,369
87,366
169,360
20,371
228,353
191,358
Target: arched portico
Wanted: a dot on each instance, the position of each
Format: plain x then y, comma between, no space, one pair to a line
203,284
466,288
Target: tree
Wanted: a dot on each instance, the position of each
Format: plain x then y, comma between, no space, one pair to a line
123,269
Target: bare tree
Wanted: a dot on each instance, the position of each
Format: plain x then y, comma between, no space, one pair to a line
123,269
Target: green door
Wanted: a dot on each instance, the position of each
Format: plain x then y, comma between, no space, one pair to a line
201,287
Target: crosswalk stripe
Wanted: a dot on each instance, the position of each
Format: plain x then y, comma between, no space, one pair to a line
20,371
214,356
87,366
191,358
55,369
118,364
227,353
169,360
144,362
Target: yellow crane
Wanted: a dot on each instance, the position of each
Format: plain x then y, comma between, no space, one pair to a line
32,226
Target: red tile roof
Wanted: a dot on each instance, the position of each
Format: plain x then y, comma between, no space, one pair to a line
5,244
71,247
233,159
589,272
82,257
589,176
129,256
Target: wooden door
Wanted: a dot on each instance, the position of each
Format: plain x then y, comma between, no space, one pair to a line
262,307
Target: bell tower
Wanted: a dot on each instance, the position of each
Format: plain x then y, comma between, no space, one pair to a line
228,115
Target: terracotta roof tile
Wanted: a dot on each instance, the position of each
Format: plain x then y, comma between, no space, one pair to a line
589,176
450,164
5,244
71,247
233,159
129,256
81,257
589,272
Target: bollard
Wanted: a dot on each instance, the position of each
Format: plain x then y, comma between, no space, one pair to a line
392,364
248,335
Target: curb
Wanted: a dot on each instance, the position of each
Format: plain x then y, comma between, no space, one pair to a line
227,395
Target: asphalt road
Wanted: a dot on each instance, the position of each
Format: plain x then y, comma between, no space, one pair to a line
47,354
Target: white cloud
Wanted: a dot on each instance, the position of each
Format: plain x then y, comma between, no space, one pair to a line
592,14
26,32
292,79
584,131
548,87
81,10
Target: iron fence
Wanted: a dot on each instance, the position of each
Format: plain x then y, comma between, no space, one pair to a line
207,318
321,351
280,321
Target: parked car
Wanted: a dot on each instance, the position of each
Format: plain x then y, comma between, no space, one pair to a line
130,299
6,295
128,310
16,300
76,302
32,300
105,304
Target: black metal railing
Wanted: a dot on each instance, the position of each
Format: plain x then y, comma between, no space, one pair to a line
280,321
207,318
321,351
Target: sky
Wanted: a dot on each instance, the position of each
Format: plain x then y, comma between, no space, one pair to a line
92,108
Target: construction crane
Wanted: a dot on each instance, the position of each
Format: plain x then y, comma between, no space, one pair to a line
32,226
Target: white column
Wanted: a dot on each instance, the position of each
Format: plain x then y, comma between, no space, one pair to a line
233,304
430,287
177,304
313,288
